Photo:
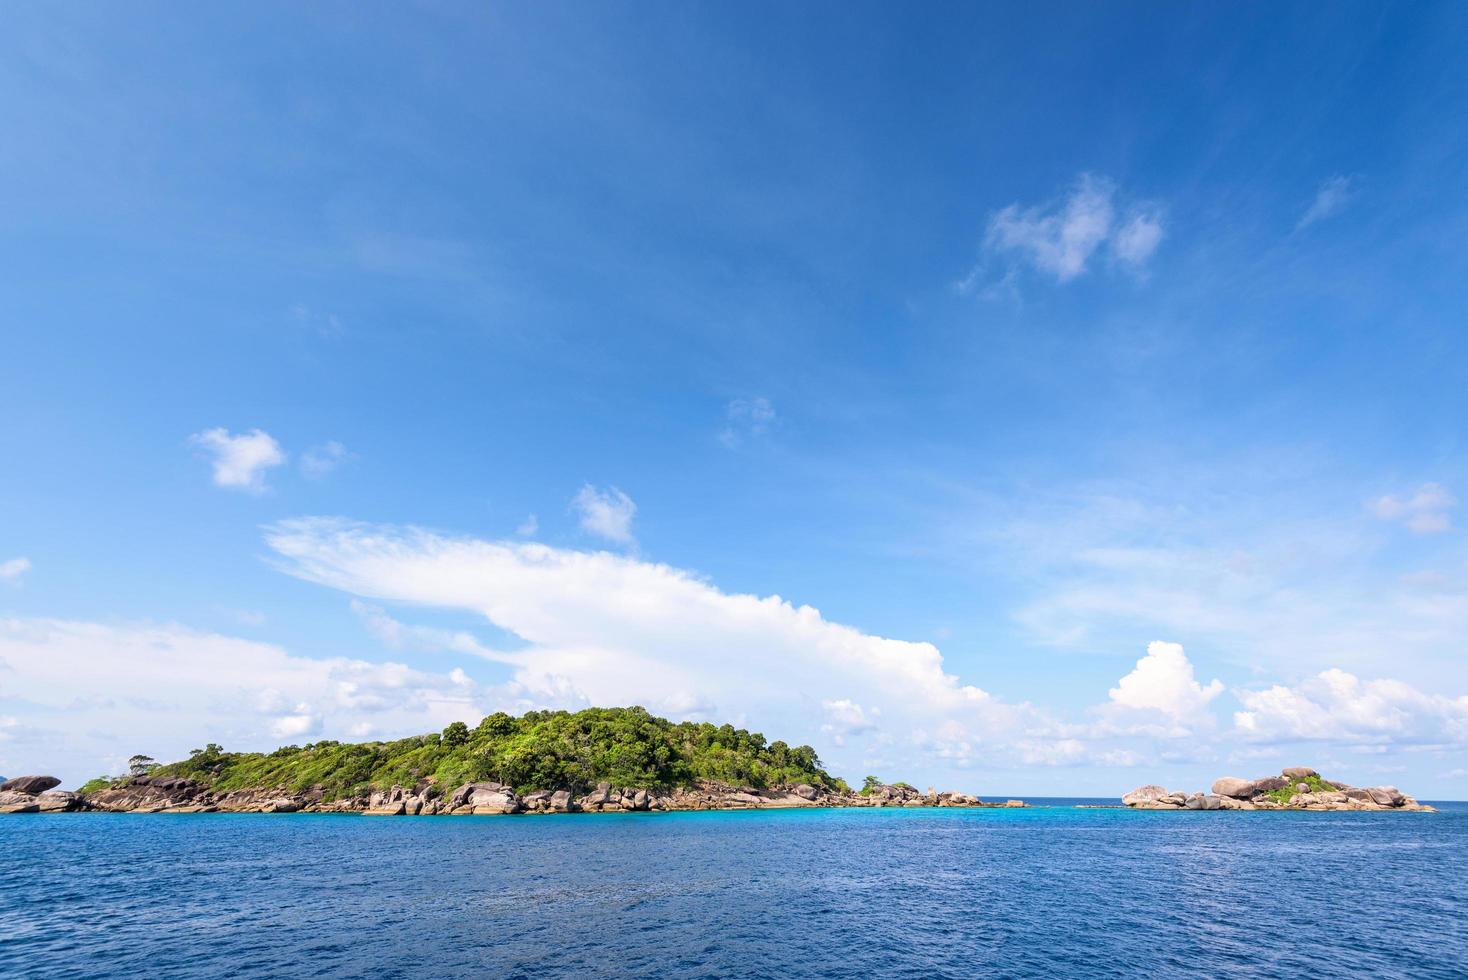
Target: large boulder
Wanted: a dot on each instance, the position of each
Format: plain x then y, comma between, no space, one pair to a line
1299,772
34,785
1387,795
58,801
1143,795
1269,784
12,801
1239,789
806,791
560,801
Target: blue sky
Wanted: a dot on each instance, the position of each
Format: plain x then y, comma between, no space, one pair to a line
1011,340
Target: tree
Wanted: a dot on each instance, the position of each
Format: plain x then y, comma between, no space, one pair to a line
141,765
457,733
869,784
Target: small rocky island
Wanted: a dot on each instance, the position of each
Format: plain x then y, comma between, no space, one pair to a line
601,760
1295,788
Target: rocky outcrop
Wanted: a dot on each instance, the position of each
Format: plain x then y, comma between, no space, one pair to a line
37,794
1295,788
30,785
175,794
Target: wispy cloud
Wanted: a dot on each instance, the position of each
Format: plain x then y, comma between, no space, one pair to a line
1331,197
12,569
240,462
318,461
528,527
1062,238
1425,512
606,513
746,418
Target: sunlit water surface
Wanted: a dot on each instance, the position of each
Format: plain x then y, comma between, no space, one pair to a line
1049,891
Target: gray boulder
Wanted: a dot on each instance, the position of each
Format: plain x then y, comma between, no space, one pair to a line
807,792
12,801
34,785
560,801
58,801
1299,772
1268,784
1239,789
1386,795
1143,795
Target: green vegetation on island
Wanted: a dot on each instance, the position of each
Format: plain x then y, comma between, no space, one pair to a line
540,750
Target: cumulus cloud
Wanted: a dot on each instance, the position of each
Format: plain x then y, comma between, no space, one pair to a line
85,696
1333,194
616,630
12,569
320,460
1425,512
1337,706
240,461
845,717
746,418
606,513
1062,237
1163,681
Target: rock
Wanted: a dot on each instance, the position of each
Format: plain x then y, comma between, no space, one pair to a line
32,785
1145,794
12,801
640,800
503,800
1298,772
58,801
1386,795
1239,789
1302,787
560,801
464,795
1269,784
807,792
386,809
281,805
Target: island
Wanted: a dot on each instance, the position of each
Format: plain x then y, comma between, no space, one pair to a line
1294,788
599,760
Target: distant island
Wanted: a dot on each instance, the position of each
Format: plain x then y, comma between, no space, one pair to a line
594,761
1295,788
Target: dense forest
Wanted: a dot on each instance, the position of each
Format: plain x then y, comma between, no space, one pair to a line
626,747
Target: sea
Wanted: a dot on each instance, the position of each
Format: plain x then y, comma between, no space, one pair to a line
1050,891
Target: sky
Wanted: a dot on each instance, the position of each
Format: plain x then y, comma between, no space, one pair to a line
1018,399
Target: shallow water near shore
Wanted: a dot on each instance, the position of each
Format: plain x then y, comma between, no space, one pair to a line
1046,891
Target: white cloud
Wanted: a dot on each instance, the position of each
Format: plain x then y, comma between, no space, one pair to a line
746,418
240,461
1425,512
12,569
615,630
528,527
1338,706
844,717
607,514
318,461
1163,681
1333,194
1060,238
85,696
1137,239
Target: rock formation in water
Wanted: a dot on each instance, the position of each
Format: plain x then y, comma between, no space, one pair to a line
148,794
1295,788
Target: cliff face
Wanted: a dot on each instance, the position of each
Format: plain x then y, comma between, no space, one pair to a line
1295,788
160,794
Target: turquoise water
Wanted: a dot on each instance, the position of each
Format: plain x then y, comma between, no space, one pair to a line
843,893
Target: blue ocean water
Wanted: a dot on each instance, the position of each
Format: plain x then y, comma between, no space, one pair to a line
1049,891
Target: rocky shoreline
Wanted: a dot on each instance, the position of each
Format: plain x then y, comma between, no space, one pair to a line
1295,788
172,794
